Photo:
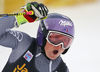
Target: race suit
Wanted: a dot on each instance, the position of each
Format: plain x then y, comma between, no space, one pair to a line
26,55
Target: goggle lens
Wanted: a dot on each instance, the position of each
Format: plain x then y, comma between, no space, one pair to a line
56,39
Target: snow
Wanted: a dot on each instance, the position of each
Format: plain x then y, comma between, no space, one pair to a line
83,55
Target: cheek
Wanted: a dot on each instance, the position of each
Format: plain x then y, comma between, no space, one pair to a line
47,47
60,50
47,50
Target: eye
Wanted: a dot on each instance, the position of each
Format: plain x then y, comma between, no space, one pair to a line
57,36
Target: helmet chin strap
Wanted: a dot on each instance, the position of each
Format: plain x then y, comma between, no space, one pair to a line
45,32
43,48
43,52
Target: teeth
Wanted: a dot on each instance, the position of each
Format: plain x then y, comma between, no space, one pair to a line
55,51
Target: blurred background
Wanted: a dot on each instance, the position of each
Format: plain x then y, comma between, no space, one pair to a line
83,56
8,6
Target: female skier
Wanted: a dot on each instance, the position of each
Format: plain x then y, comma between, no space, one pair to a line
42,54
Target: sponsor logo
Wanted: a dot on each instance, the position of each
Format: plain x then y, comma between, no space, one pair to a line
20,69
28,56
66,30
16,34
64,23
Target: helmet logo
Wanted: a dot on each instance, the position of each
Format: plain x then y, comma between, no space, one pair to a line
64,23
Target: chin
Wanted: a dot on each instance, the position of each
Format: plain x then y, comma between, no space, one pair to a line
52,58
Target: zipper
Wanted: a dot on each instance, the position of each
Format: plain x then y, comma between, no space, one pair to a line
50,66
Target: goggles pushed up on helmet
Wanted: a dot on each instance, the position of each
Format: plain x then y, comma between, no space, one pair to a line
56,38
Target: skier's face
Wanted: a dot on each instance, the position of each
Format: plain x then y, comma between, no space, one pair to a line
52,51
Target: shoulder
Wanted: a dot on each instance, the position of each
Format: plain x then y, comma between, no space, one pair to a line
62,67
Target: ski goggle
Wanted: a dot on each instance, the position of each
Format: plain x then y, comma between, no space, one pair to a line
57,38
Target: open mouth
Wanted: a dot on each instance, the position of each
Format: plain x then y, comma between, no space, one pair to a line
55,51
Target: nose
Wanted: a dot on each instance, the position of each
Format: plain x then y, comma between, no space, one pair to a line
59,46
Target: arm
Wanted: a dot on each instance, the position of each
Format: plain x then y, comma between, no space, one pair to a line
18,41
6,23
40,12
9,38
